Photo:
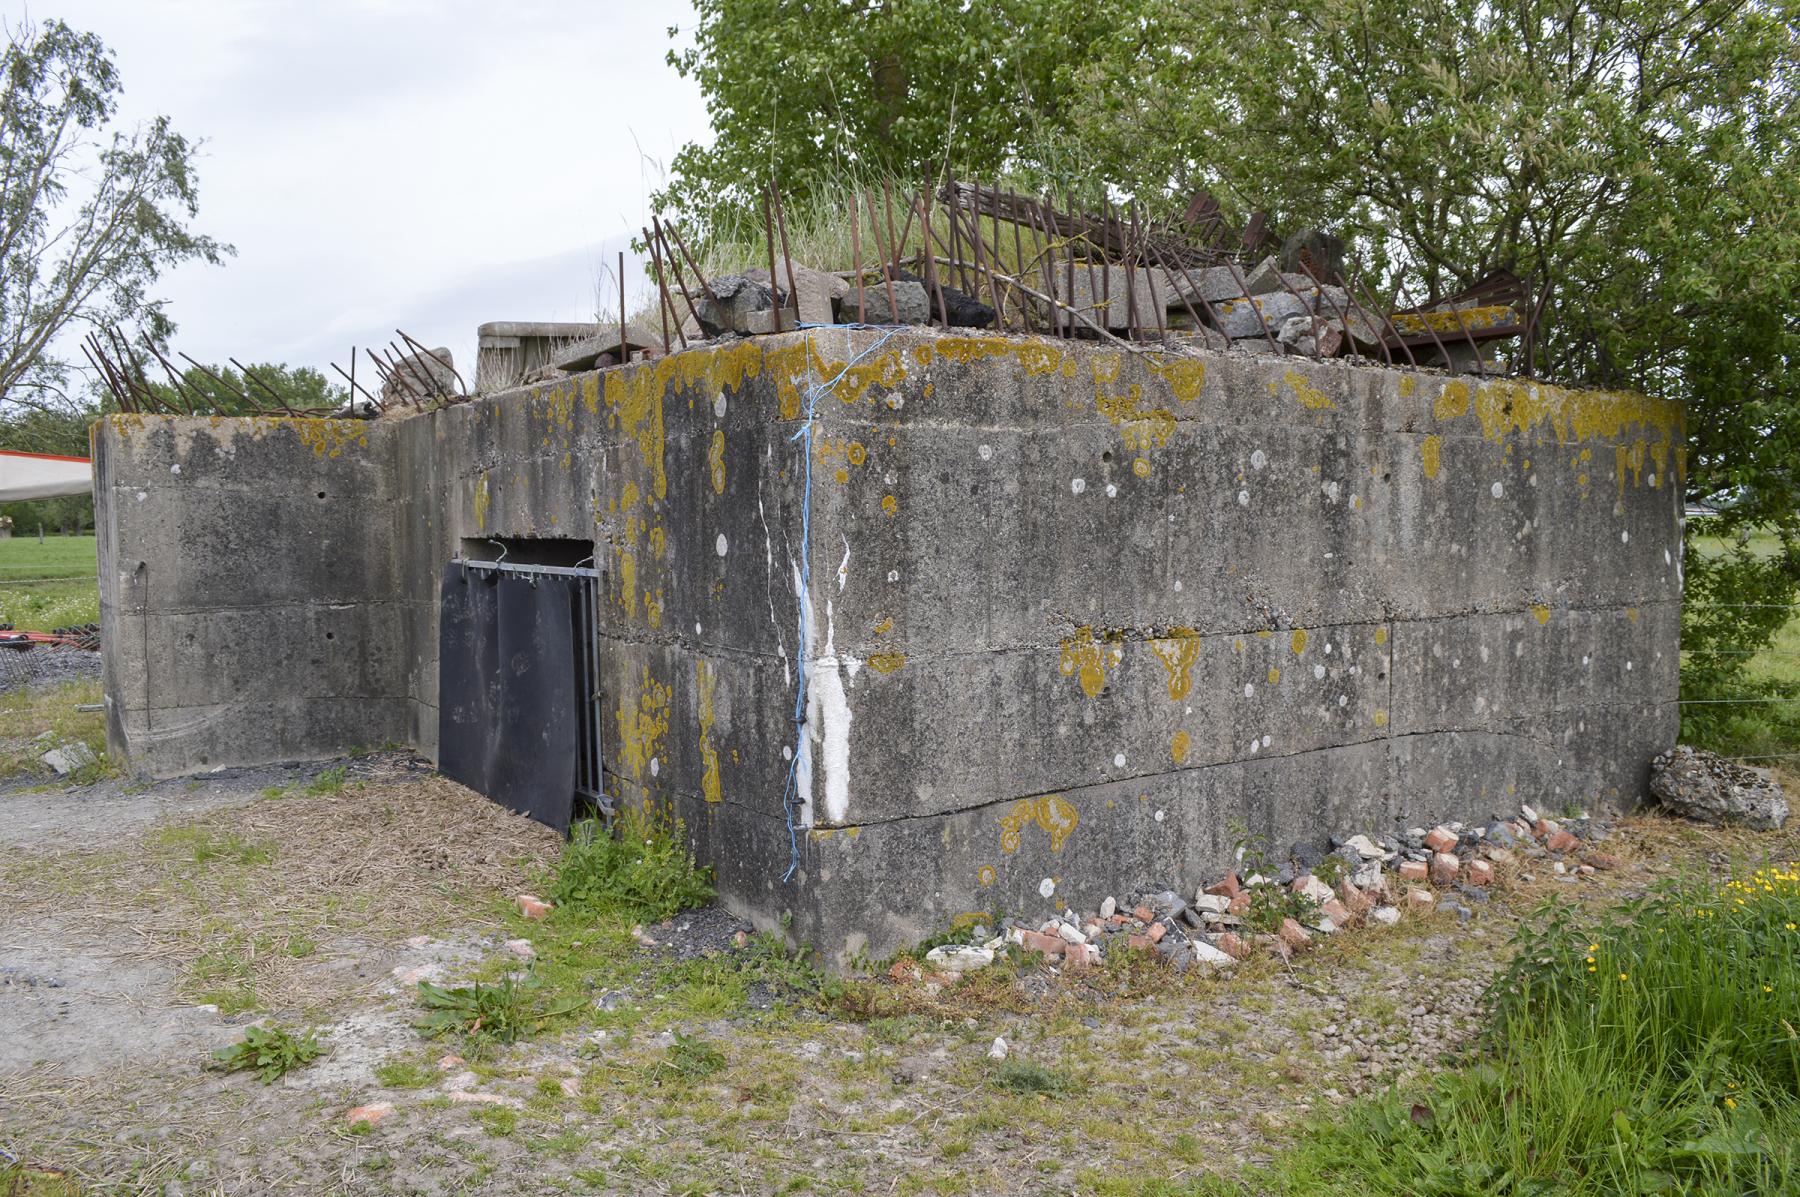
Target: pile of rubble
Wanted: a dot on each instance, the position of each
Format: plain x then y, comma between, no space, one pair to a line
1282,910
1699,785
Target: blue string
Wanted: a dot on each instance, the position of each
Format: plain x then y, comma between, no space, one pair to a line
790,797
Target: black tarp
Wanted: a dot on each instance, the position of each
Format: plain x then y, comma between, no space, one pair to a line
506,689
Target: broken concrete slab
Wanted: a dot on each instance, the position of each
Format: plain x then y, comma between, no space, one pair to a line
727,301
67,758
910,300
585,354
509,350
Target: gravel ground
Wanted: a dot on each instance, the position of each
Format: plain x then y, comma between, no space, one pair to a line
46,665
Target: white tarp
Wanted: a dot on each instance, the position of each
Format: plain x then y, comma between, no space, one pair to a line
41,476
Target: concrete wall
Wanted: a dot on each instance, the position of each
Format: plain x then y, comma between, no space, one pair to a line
1077,617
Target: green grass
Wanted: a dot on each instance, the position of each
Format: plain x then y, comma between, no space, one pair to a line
48,585
1765,726
1653,1052
28,712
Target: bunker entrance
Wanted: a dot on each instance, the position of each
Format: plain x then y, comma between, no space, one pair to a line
519,676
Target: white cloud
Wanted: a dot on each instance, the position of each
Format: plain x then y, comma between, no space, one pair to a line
426,166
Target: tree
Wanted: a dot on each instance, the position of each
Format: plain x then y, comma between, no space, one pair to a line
817,95
1638,161
89,219
220,390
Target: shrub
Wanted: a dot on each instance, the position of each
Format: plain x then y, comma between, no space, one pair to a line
270,1051
639,869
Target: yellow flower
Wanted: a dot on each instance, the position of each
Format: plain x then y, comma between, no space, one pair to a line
1590,968
1593,947
1790,926
1590,959
1623,977
1730,1104
1768,989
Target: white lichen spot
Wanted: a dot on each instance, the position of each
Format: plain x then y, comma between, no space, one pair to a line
1161,815
1112,492
1330,490
787,752
1046,887
1243,498
985,452
721,545
1249,690
1258,460
893,575
1667,560
1319,672
1497,490
719,406
1077,485
1177,585
1343,699
655,766
1118,760
176,468
1624,536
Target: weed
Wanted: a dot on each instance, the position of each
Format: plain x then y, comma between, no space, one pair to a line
1026,1076
500,1121
270,1052
202,847
300,947
329,781
640,869
689,1058
404,1074
499,1013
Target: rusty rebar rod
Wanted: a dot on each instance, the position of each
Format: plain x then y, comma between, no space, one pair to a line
856,266
786,257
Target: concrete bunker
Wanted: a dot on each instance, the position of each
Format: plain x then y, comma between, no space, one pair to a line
1068,617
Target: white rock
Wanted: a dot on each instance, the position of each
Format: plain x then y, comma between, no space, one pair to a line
1317,890
1387,916
1326,927
1364,847
998,1051
1207,903
1109,907
959,958
1070,934
1207,954
68,758
1527,813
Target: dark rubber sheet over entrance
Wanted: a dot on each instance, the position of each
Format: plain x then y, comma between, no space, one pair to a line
507,702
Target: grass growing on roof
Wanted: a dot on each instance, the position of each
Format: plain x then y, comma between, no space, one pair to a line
1657,1050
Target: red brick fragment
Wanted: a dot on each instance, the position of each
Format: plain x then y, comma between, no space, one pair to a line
1156,932
1601,860
1562,841
1479,872
1294,935
1337,912
1232,946
1143,914
1444,868
1440,839
1355,900
1228,888
1413,870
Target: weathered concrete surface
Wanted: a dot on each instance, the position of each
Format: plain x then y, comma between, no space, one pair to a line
1076,618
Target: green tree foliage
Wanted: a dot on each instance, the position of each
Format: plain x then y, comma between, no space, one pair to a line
819,95
90,216
221,390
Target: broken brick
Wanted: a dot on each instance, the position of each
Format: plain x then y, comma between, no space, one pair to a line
370,1114
1479,872
1156,932
1413,870
1294,935
1337,912
1037,941
1232,946
1228,888
1354,900
1561,842
1601,860
1444,867
1440,839
532,906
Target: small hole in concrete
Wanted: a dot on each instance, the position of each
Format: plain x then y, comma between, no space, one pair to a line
331,635
1106,456
321,494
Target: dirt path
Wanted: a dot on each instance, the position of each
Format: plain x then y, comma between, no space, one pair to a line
142,930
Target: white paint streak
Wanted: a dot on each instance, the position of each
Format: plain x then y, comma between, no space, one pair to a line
843,570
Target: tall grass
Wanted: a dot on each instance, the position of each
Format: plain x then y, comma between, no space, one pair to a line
1654,1052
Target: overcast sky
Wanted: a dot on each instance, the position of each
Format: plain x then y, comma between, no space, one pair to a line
399,163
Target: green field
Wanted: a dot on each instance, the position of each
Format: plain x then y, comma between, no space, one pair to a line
48,585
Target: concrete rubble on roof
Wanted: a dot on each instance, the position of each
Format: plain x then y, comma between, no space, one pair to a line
419,378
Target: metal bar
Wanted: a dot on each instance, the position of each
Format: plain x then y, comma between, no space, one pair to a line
887,212
662,291
249,377
680,281
862,298
1180,292
1244,286
769,236
675,232
624,354
887,277
1375,305
1018,268
1427,320
787,258
560,571
462,383
928,238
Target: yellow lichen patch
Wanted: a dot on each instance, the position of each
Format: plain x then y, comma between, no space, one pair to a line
985,876
1178,747
1541,613
886,662
890,506
1381,636
1178,651
1452,401
1408,384
1274,674
886,371
1141,468
1087,660
1629,457
1310,396
884,625
1298,641
1631,613
634,396
715,460
329,438
842,475
482,499
1142,428
856,453
590,393
642,724
1431,451
1051,812
707,683
1380,718
1186,377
